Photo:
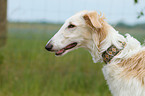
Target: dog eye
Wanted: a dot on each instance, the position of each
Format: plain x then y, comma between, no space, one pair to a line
71,26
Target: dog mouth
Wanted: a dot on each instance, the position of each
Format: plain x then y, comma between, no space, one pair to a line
61,51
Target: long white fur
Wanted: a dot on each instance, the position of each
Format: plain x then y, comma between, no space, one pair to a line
119,86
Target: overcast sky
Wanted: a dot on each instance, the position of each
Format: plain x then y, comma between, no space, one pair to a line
59,10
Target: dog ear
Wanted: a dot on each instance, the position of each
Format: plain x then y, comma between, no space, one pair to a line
92,19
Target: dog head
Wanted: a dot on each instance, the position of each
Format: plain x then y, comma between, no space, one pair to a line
78,31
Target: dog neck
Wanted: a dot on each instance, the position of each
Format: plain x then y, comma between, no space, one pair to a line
113,38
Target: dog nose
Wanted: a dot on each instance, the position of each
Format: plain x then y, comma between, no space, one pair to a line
49,47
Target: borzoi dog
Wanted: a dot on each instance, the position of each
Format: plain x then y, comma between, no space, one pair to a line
124,56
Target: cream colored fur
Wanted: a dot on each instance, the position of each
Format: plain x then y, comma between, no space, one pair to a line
96,35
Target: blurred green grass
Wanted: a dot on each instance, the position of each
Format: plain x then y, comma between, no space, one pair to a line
29,70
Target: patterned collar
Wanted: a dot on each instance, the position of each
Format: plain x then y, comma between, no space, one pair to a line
111,52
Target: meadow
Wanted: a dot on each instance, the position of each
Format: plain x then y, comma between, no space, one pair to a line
28,69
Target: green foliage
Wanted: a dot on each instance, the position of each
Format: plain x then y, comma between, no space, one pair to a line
140,14
29,70
135,1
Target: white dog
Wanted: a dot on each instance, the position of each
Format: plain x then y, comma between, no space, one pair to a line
124,57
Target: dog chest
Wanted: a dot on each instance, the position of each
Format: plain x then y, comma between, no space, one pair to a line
119,85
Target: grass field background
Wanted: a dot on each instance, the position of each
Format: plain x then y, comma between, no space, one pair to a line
29,70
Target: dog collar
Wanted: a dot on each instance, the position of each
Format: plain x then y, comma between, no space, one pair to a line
111,52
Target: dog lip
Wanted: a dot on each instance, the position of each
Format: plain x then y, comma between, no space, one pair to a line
70,46
60,52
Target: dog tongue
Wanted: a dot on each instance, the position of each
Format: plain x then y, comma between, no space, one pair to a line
60,51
